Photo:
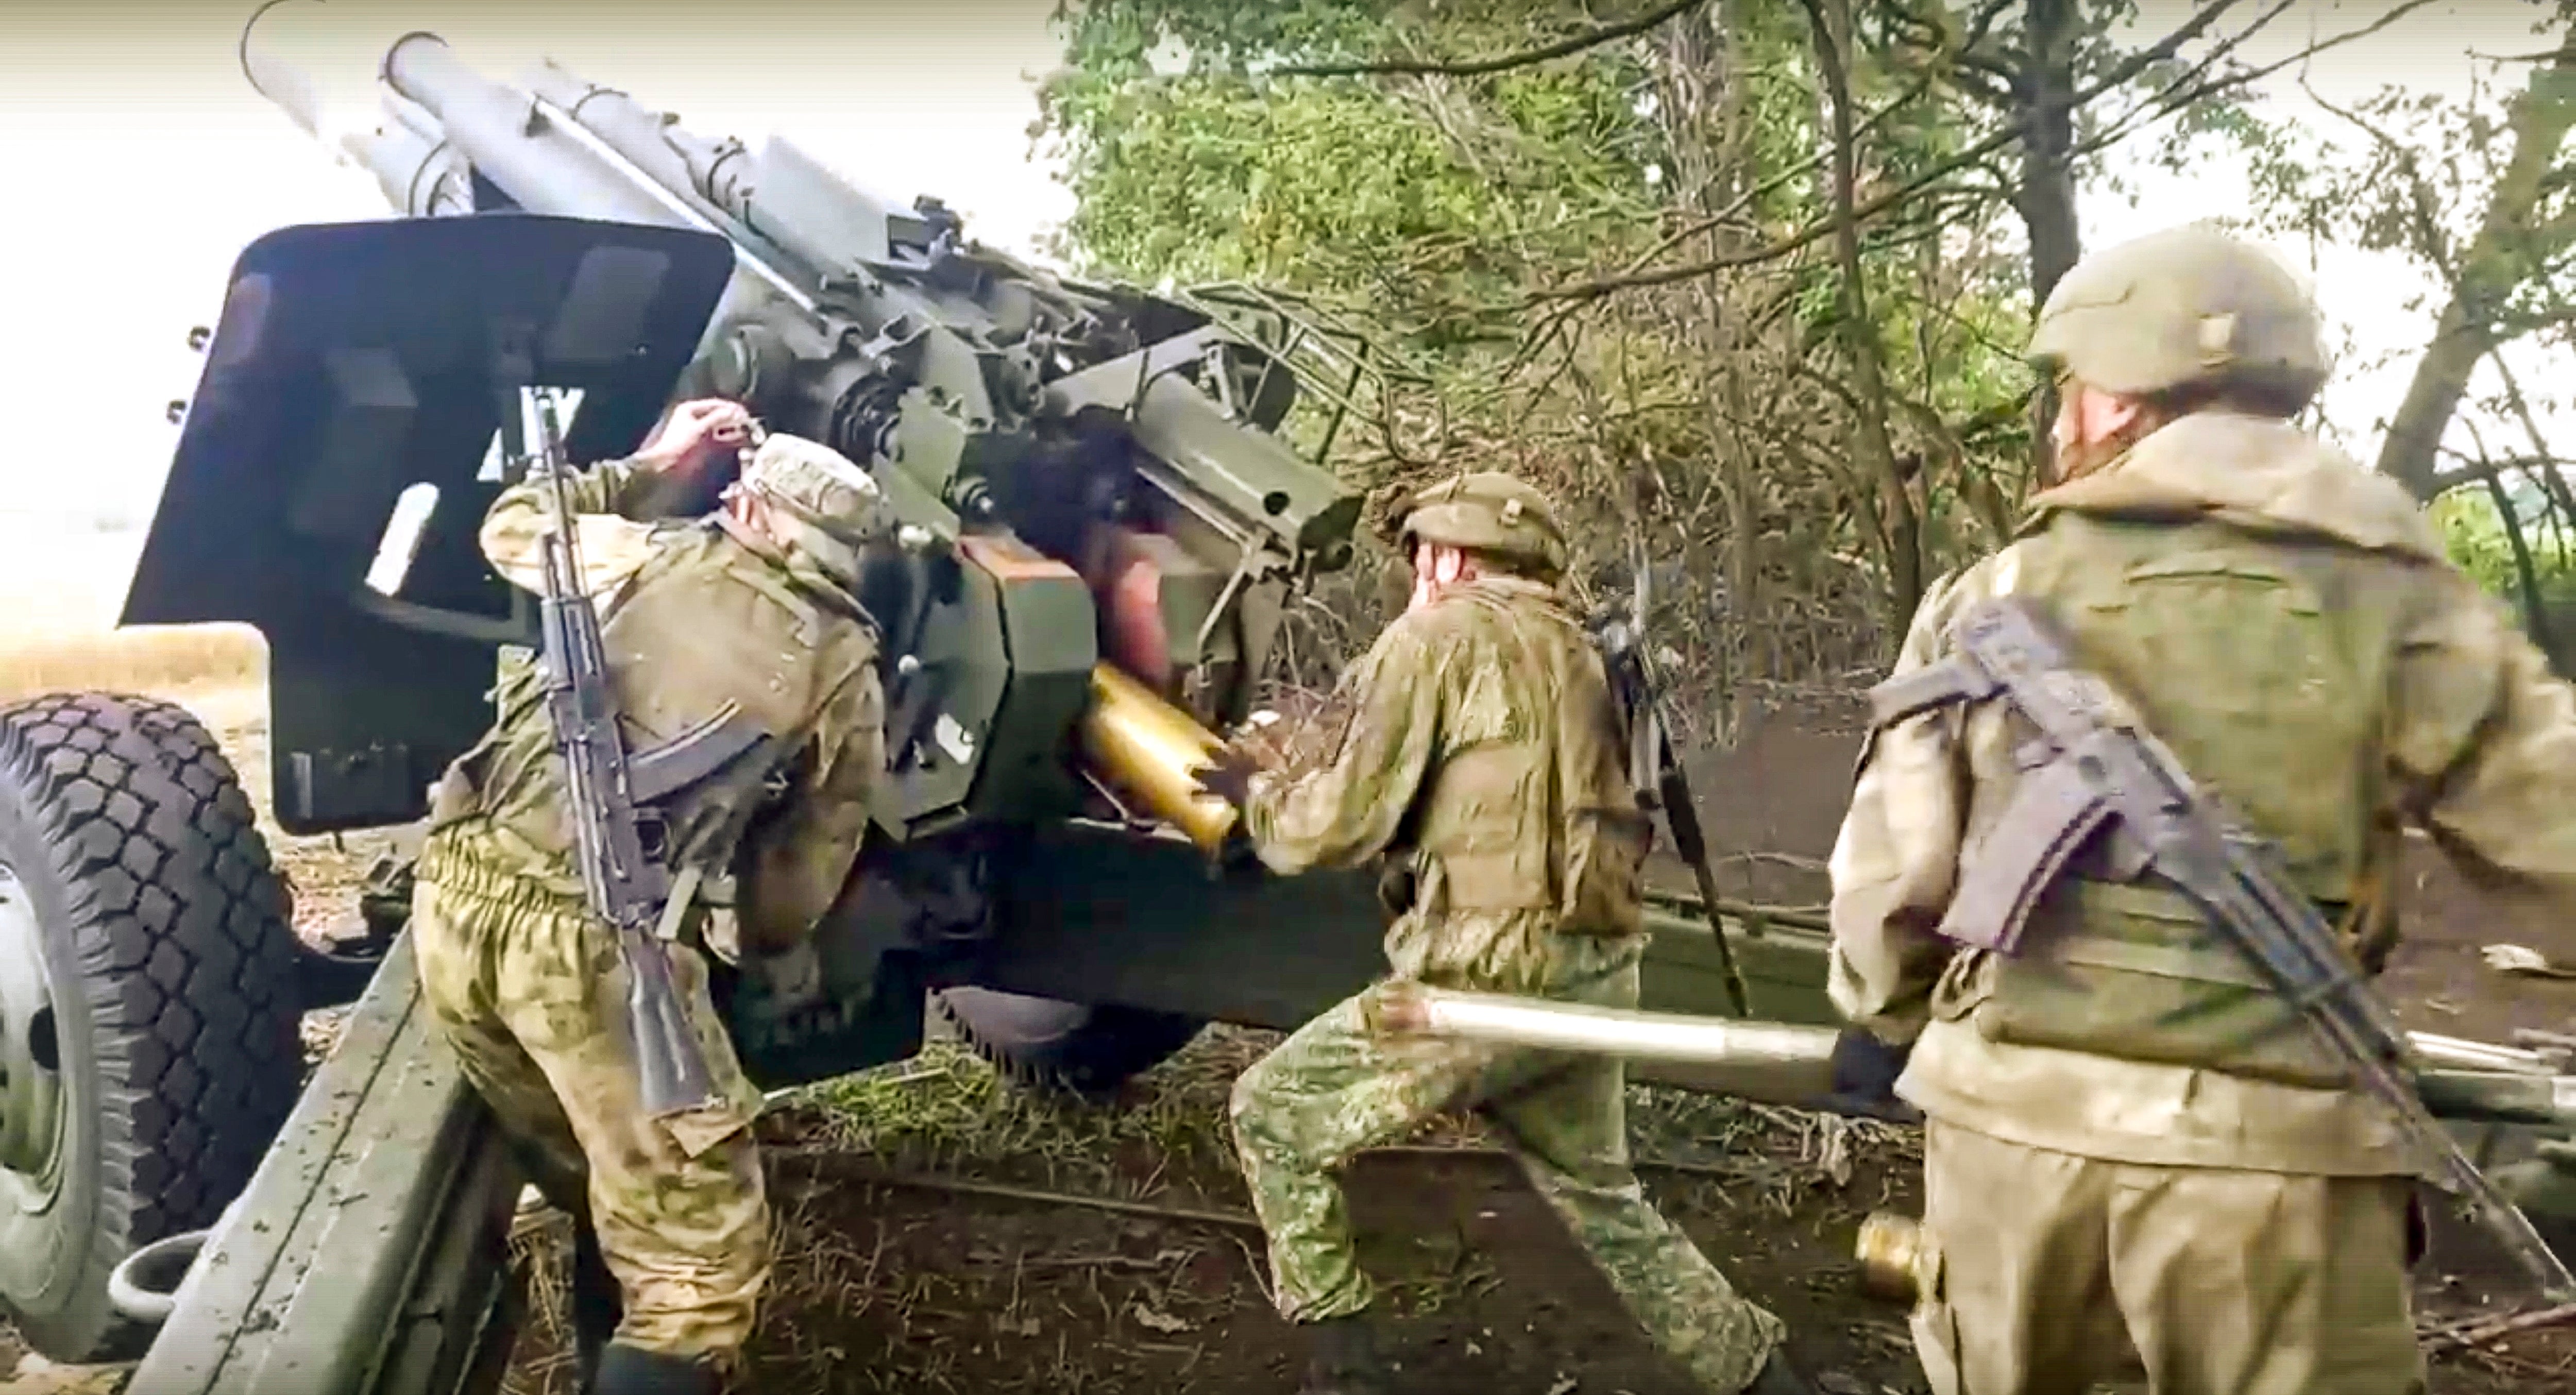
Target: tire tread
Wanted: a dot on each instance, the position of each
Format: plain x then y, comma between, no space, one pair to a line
180,935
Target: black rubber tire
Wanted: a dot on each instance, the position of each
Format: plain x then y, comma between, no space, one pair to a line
1044,1043
172,969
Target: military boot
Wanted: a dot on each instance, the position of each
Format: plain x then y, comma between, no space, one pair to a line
625,1370
596,1302
1343,1358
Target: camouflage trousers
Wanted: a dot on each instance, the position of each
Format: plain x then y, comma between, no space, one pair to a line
1333,1089
531,991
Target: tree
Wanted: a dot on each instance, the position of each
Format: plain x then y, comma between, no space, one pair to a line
1746,279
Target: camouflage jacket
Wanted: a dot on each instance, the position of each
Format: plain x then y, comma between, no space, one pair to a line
693,615
1482,748
2287,623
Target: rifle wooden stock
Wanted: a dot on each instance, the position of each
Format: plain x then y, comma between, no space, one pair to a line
369,1255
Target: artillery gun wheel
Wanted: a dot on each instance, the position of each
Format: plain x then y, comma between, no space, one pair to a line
1049,1044
149,1046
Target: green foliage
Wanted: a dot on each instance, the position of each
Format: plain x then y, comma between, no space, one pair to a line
1711,417
1491,229
1331,186
2473,532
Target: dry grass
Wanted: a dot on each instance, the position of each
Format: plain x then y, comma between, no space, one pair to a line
174,661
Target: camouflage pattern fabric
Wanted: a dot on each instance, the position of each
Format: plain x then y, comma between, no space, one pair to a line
1332,1089
617,506
2112,1152
1493,699
531,991
695,617
1480,732
706,615
2286,622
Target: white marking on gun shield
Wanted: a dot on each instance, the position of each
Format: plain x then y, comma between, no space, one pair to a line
953,738
400,546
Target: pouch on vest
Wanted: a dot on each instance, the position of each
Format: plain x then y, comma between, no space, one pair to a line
1477,828
1605,870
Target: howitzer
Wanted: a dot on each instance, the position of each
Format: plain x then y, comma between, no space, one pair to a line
1102,520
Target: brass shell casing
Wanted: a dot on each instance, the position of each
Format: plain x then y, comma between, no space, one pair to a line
1144,748
1890,1251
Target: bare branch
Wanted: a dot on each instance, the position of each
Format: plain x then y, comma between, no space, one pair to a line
2425,222
1896,515
1479,67
2176,97
2490,265
2127,70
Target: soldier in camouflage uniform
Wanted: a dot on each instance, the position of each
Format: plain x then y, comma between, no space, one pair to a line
1485,757
751,607
2131,1140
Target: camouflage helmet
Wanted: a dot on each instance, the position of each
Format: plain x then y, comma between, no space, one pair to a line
820,503
2187,307
1489,512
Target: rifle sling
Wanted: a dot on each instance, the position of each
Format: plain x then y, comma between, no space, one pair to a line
1953,680
695,754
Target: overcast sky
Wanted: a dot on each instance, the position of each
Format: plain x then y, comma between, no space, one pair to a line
141,162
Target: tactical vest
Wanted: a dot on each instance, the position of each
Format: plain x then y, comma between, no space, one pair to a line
2264,666
1538,815
706,636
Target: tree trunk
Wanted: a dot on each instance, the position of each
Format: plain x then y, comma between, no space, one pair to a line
2498,258
1901,529
2047,195
1703,103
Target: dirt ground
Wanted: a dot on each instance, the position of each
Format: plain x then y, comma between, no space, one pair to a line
940,1231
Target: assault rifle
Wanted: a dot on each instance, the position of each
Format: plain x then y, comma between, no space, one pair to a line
620,842
1653,770
2104,774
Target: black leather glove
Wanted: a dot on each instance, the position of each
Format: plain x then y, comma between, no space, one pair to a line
1865,1072
1227,775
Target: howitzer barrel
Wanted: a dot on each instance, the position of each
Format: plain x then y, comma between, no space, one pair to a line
418,173
308,59
543,168
319,66
316,64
